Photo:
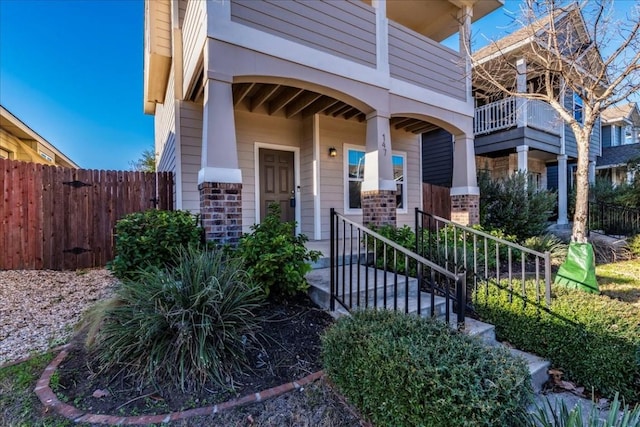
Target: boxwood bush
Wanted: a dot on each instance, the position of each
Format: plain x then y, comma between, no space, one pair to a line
403,370
594,339
151,239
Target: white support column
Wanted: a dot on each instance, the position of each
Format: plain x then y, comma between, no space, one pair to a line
219,147
378,171
464,18
382,36
592,173
521,87
378,191
464,166
464,193
523,157
562,190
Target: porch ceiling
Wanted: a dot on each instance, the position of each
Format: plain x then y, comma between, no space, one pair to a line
294,102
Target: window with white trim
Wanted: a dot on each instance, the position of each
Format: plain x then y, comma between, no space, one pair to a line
578,108
354,175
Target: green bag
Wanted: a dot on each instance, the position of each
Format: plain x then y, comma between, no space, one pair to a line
579,270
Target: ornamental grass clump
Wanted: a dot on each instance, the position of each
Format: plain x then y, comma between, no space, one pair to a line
403,370
183,326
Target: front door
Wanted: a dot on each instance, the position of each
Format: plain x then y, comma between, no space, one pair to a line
277,183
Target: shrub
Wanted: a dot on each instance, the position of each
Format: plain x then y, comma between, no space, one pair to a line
184,326
511,204
558,415
275,257
634,245
403,370
548,242
150,239
594,339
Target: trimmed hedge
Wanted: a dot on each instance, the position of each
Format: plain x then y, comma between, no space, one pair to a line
403,370
593,339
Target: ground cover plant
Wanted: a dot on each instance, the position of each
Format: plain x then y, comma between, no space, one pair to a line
150,239
593,339
559,415
403,370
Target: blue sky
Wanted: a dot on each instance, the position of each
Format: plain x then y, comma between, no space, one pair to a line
72,71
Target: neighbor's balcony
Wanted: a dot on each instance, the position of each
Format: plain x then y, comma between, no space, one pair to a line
512,112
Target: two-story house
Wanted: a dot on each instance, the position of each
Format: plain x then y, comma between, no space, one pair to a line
309,104
620,143
514,134
19,142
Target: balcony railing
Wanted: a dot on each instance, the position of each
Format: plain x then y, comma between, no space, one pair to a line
511,112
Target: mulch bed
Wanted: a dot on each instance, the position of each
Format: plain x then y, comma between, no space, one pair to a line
290,350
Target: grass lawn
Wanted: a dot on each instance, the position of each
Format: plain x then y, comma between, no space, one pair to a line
620,280
19,405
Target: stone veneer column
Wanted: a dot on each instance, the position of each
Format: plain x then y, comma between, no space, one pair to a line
465,209
378,207
221,208
220,178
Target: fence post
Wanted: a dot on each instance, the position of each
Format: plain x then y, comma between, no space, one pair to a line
547,277
461,296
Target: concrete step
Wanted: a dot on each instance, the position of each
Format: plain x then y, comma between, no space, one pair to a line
371,292
538,368
325,261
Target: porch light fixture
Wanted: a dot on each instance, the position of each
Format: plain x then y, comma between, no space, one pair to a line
333,152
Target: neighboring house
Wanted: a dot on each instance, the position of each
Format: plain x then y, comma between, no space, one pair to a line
514,134
309,104
620,143
19,142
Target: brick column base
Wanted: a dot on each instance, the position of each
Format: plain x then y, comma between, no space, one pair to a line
378,207
221,211
465,209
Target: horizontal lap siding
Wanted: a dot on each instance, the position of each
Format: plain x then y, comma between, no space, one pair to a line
190,153
345,29
306,177
423,62
409,144
194,34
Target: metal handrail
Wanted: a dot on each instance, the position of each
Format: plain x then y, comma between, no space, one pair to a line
371,260
485,253
613,220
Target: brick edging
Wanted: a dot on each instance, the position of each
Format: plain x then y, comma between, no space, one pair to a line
50,400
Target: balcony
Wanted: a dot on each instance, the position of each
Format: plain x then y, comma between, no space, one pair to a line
512,112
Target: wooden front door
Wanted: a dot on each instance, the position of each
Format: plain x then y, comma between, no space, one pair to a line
277,183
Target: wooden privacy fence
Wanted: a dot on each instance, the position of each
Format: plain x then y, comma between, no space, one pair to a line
63,219
436,200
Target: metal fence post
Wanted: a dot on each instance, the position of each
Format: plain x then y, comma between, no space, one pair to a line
332,254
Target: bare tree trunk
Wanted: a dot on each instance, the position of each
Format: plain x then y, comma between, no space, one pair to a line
579,232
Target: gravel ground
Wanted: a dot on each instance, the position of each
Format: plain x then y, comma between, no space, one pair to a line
38,309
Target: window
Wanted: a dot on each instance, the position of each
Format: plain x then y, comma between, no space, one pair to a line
577,108
354,165
4,154
628,134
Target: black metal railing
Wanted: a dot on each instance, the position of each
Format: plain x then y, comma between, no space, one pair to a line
370,271
613,220
486,260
